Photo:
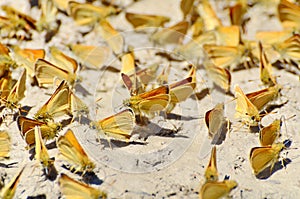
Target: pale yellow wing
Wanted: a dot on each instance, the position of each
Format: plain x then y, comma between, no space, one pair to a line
214,120
262,97
289,14
220,76
62,60
71,150
47,72
262,157
27,57
57,105
245,110
113,38
91,56
88,14
171,35
41,152
210,19
5,144
8,191
72,189
211,172
266,74
118,126
216,190
18,91
269,134
140,21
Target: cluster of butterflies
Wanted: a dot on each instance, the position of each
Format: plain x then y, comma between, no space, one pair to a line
223,48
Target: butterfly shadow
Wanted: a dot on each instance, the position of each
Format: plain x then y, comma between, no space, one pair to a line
269,171
40,196
175,116
153,129
82,90
50,172
91,178
118,143
200,95
9,165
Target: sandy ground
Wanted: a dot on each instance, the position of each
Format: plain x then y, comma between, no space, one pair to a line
172,162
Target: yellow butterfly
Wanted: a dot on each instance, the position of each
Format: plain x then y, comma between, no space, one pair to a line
48,16
150,102
113,38
216,190
215,122
88,14
210,19
270,133
289,49
26,127
77,106
41,152
91,56
266,74
6,60
140,21
136,81
245,109
171,35
180,91
226,56
5,144
211,172
71,150
57,105
186,7
260,98
237,12
61,4
289,15
263,157
27,57
16,93
228,35
62,60
118,126
46,73
72,189
9,190
194,48
220,76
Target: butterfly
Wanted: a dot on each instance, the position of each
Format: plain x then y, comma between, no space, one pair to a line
140,21
8,191
73,189
77,106
48,16
211,172
289,14
260,98
88,14
220,76
46,73
41,152
194,48
118,126
171,35
215,122
186,7
263,157
245,109
228,35
210,19
57,105
113,38
91,56
27,57
26,126
268,134
215,190
5,144
227,56
17,92
71,150
266,74
149,102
